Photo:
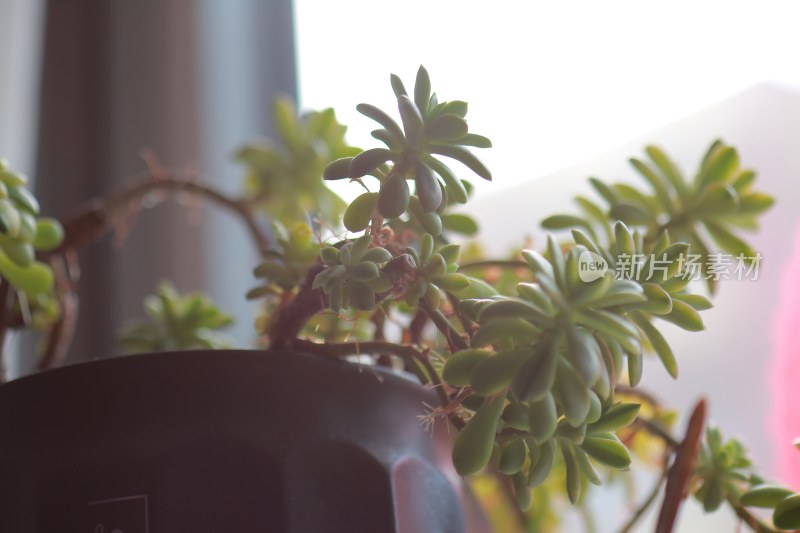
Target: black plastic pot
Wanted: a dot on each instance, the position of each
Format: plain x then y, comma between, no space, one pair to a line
228,442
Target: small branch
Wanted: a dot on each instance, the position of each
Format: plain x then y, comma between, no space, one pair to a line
378,319
654,428
309,301
465,322
99,216
454,338
92,221
59,338
681,470
298,311
416,326
645,505
339,350
754,523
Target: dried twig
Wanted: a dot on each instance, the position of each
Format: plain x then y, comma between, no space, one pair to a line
645,505
455,340
92,221
59,338
681,470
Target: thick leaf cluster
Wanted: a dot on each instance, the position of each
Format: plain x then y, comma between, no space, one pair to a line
723,468
436,272
663,281
22,233
724,472
537,383
353,275
284,267
711,207
556,351
178,322
284,175
429,129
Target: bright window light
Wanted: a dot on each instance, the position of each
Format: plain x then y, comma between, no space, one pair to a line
550,83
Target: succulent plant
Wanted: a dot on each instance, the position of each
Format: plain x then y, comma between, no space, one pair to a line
536,358
177,322
23,233
431,129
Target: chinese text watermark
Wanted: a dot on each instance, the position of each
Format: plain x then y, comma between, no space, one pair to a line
652,267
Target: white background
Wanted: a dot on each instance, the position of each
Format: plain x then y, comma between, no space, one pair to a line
552,83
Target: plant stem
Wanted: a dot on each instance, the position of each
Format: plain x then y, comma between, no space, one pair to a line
298,311
454,338
681,470
309,301
657,430
645,505
66,271
339,350
465,322
416,326
752,521
96,218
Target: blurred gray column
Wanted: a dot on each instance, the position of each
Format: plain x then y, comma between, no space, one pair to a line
188,79
21,31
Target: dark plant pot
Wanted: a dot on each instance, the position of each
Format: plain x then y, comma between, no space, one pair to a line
227,442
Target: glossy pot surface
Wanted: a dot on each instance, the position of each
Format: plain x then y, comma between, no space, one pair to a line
224,441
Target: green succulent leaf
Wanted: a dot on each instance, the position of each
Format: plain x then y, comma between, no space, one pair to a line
473,446
616,417
394,196
360,211
412,120
422,90
474,140
658,342
338,170
543,418
608,450
459,367
573,472
494,374
540,467
446,127
381,118
787,513
178,322
428,189
504,329
368,160
765,495
512,458
537,375
465,157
